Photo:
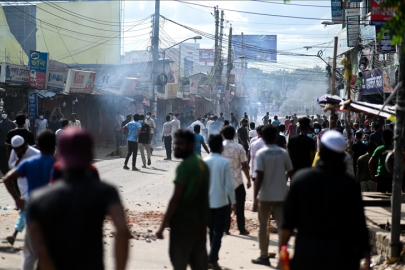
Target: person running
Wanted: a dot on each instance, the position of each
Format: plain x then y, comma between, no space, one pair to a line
37,170
167,137
311,208
199,141
133,129
221,194
272,164
144,141
266,119
302,148
58,212
20,151
236,155
188,209
243,136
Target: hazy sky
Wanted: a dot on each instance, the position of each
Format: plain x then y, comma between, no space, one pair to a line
292,33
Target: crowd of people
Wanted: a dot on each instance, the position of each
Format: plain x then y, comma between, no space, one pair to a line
52,172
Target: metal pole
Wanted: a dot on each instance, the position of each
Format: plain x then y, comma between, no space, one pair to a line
332,121
398,163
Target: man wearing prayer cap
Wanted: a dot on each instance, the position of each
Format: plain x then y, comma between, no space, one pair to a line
318,199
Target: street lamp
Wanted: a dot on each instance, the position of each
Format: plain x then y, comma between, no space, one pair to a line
163,77
326,23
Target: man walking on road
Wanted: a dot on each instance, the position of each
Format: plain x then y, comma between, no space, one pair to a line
151,123
37,170
144,141
20,130
237,157
188,208
167,137
74,122
58,212
40,124
133,129
272,164
266,119
311,207
221,188
302,148
199,141
243,136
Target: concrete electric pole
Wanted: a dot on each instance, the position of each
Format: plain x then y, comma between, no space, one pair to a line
228,71
332,120
155,52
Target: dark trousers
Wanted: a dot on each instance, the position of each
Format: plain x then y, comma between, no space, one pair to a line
3,160
188,245
132,150
384,184
117,139
168,146
240,195
217,225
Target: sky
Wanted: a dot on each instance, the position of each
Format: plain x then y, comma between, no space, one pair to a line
292,33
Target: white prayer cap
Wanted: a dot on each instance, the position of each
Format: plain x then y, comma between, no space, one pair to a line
17,141
334,140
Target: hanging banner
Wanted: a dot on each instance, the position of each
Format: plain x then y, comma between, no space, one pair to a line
32,104
193,86
56,76
38,64
372,82
79,81
128,86
17,74
172,89
389,79
145,101
337,11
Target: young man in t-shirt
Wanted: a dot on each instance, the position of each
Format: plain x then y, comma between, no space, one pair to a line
363,173
20,130
188,210
199,141
133,129
144,141
381,175
291,129
58,212
252,132
272,164
243,137
37,170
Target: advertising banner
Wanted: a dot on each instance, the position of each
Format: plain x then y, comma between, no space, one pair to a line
172,89
32,104
379,14
219,89
337,11
38,64
145,101
372,82
128,86
139,107
56,76
17,74
79,81
256,47
389,79
188,68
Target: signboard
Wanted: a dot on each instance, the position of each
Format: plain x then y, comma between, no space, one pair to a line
368,34
372,82
388,78
191,101
79,81
145,101
188,67
38,64
342,42
206,56
380,14
193,86
17,74
256,47
337,11
139,107
128,86
32,104
56,75
219,89
353,26
172,89
231,78
385,44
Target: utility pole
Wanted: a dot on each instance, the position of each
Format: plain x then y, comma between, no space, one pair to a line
348,96
242,61
155,51
398,162
216,60
229,68
332,120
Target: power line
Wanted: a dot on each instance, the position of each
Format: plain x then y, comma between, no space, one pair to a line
289,4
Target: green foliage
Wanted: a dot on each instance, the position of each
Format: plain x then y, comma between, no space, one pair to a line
396,25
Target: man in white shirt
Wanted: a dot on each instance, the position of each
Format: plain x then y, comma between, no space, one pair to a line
221,188
198,122
175,124
252,132
151,123
74,122
40,124
167,137
272,164
254,148
64,125
21,151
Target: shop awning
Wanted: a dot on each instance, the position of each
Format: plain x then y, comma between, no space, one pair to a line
45,93
368,108
329,99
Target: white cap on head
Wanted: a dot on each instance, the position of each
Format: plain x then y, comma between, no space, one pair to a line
17,141
334,140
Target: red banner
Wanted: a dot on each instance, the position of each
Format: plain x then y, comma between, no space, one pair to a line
381,14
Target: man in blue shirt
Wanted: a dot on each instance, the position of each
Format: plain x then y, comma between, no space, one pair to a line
133,129
37,170
275,122
198,141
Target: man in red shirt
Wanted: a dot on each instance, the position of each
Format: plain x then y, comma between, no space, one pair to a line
292,129
287,121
